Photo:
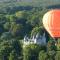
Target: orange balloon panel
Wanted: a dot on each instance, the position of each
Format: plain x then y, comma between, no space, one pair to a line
51,22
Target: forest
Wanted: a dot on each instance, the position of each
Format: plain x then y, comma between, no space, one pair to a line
18,19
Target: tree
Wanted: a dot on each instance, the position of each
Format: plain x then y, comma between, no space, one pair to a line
58,44
51,45
57,57
10,49
6,36
36,30
42,55
33,19
51,55
17,47
21,14
13,56
16,29
7,26
51,50
5,49
31,52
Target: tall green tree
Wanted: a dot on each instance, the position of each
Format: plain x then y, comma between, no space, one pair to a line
57,57
42,55
13,56
30,52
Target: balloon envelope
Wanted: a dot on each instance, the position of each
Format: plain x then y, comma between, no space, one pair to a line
51,22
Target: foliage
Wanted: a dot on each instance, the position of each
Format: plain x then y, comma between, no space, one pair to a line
13,56
51,55
36,30
29,52
10,49
51,45
58,44
18,19
42,55
57,57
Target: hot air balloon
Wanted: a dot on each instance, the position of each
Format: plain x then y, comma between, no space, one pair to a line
51,22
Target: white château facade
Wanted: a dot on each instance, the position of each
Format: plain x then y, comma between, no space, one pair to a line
38,39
